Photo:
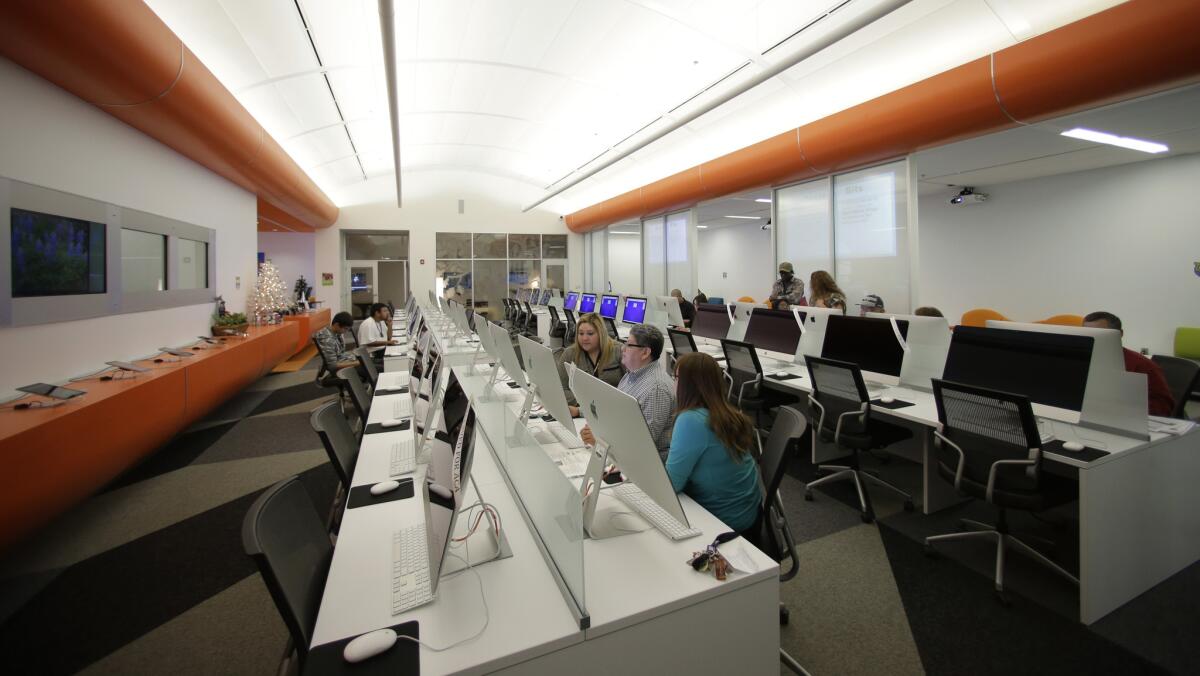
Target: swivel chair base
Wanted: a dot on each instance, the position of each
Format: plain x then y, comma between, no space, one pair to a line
858,476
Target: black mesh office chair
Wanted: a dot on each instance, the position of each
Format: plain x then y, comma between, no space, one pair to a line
745,376
358,394
840,412
338,438
570,337
558,329
1183,378
368,364
682,342
990,449
612,328
285,537
327,373
776,539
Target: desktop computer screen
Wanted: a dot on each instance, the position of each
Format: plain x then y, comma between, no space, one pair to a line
635,310
869,342
774,330
587,303
711,321
572,299
608,306
545,297
1049,368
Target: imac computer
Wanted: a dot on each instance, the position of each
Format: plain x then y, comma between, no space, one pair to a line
1049,368
712,321
587,303
634,311
775,330
571,301
928,343
542,369
669,305
870,342
741,320
509,360
608,305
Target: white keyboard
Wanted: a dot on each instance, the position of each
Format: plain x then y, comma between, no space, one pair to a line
649,510
404,457
410,569
573,463
564,437
402,407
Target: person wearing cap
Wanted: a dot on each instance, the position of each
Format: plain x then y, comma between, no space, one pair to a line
870,303
788,291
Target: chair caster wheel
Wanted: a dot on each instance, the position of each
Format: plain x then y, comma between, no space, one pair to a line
808,496
866,518
1002,598
908,506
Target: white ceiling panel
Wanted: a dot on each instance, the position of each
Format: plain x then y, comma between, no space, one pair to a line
275,34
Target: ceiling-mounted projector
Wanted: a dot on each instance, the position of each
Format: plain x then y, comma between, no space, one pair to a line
968,196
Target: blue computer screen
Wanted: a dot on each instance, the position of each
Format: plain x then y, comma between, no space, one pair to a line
572,298
587,303
635,311
608,306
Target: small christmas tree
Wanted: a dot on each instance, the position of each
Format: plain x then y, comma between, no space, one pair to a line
270,295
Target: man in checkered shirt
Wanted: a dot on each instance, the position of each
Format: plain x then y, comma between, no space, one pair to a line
647,381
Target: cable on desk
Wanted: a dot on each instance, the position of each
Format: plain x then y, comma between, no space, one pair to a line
482,597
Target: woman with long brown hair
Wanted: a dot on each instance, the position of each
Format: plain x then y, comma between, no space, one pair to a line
825,291
710,456
594,352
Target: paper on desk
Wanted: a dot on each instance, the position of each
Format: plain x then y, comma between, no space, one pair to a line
1170,425
737,557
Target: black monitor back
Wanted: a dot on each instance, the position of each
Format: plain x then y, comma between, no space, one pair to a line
1049,368
774,330
868,342
711,321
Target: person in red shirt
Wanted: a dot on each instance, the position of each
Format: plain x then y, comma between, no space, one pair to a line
1159,401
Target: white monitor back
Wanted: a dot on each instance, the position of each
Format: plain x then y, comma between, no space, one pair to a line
508,356
815,319
543,371
670,307
741,319
928,343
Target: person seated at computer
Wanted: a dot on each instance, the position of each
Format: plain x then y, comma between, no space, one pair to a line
824,292
700,299
686,309
928,311
1159,400
647,381
593,351
870,303
710,447
373,332
788,290
329,342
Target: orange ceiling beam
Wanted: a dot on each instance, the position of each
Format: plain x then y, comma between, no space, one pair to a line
1136,48
120,57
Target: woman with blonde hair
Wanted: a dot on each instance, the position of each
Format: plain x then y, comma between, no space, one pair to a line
594,352
710,456
825,291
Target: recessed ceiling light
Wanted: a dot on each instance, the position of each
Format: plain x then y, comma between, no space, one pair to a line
748,218
702,227
1114,140
764,200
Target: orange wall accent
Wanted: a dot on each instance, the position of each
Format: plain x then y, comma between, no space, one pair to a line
54,458
307,325
119,56
1133,49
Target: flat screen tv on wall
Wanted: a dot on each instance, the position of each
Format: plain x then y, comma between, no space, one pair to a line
56,255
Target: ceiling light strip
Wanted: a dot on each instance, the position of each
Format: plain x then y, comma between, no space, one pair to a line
806,26
387,32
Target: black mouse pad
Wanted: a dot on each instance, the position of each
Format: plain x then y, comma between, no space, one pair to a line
1088,453
391,390
512,385
360,496
375,428
894,405
790,376
402,658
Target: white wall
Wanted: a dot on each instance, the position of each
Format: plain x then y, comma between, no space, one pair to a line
1122,239
735,261
431,206
53,139
293,254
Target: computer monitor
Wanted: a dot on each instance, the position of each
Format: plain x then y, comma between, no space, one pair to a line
608,305
587,303
545,297
444,502
867,341
669,306
928,342
543,371
711,321
1049,368
572,299
774,330
508,356
635,310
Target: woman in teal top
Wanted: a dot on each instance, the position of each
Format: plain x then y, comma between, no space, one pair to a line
710,446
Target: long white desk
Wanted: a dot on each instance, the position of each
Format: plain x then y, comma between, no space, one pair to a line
642,601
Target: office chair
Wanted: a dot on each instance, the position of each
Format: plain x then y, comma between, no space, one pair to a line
776,539
558,329
284,536
368,364
682,342
745,376
989,448
612,328
842,411
338,438
358,394
570,337
1183,377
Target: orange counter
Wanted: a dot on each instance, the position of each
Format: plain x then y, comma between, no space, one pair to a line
309,323
54,458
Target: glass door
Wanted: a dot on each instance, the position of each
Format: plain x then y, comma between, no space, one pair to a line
393,282
362,287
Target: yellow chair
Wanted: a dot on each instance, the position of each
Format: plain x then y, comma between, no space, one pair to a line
1063,320
979,317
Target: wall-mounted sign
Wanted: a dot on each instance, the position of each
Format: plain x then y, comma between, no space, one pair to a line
326,279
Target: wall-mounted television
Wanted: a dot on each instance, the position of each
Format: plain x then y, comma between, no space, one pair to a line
56,255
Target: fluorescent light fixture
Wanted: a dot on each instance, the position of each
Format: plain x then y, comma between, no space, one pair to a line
702,227
1114,140
748,218
622,232
764,200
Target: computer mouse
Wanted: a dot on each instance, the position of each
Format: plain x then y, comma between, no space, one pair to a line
440,490
886,400
391,423
369,645
780,374
1073,446
384,487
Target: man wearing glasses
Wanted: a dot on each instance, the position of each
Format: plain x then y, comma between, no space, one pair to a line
647,381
